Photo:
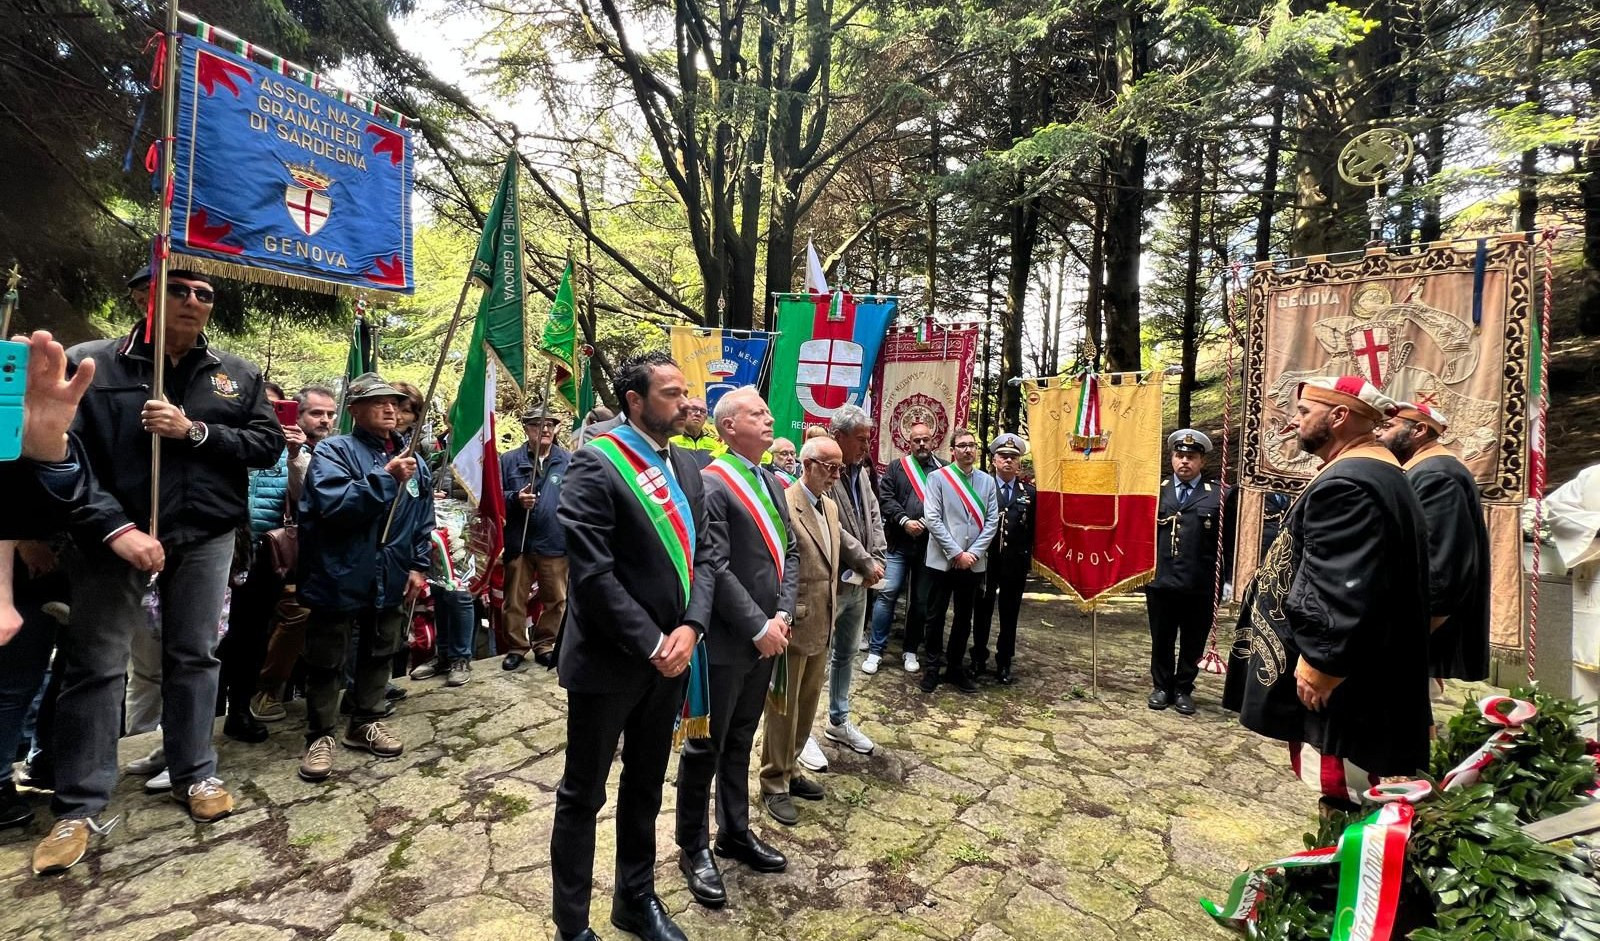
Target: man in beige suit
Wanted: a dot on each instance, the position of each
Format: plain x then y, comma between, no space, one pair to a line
824,547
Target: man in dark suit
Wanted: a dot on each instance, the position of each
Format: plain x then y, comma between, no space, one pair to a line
756,560
900,495
1009,565
639,598
1181,598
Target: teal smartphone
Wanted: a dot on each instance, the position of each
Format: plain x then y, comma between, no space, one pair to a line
13,383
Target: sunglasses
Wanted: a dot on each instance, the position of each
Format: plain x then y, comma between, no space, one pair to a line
832,468
182,292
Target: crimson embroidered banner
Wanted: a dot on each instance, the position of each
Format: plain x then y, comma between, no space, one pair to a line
1095,534
922,380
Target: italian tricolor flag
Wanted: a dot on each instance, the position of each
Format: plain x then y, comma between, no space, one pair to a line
497,335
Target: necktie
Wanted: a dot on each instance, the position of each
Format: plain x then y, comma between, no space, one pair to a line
1005,493
1183,493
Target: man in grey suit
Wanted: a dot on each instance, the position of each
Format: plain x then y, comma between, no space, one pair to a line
963,514
857,498
756,565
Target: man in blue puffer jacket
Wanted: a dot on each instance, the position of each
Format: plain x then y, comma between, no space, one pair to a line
360,564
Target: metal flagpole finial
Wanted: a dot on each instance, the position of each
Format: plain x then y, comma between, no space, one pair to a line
1374,158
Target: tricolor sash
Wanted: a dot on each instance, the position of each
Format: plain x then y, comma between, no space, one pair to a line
785,478
918,476
657,491
963,487
752,494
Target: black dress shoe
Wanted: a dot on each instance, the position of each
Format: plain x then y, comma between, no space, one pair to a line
781,808
546,659
14,811
1158,700
584,935
930,679
705,882
749,849
646,917
243,727
805,789
961,680
1184,703
978,668
1002,675
512,661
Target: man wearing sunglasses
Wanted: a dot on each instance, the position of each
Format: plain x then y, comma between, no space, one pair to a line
214,423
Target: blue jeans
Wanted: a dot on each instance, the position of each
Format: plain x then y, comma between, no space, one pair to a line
22,671
901,572
848,619
455,618
107,607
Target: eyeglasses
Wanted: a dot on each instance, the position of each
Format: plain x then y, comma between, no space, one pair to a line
833,469
968,446
696,410
182,291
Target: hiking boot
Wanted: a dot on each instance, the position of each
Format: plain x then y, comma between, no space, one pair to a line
373,737
431,669
206,800
266,708
460,672
66,844
318,761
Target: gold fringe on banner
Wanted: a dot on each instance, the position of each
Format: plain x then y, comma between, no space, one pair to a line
223,269
1120,588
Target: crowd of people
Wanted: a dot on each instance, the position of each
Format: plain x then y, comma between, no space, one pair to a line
667,544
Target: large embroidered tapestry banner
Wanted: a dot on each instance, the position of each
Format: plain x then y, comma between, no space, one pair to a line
1095,534
929,382
1446,326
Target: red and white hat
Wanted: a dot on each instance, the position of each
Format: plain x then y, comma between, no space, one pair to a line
1353,392
1426,414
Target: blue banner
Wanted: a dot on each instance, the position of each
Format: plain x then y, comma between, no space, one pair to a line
287,184
717,361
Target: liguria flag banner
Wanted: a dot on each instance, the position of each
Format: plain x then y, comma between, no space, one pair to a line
826,349
717,361
281,183
1096,443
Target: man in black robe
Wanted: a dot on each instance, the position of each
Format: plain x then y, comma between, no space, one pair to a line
1338,610
1458,542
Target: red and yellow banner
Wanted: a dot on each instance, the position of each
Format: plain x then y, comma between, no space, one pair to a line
1096,530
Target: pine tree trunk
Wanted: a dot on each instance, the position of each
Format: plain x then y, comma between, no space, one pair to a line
1191,290
1269,181
1589,187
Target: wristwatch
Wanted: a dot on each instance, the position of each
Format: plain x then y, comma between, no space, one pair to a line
787,618
196,432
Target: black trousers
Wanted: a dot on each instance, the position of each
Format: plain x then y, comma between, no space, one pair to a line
1180,618
738,699
1003,582
244,651
642,717
377,635
962,587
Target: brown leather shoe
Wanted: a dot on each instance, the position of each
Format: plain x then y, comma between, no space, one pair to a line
318,761
206,800
61,850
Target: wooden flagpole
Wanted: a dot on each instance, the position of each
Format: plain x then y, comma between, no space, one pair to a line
158,282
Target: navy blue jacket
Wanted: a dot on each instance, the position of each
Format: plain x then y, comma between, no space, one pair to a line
544,533
343,509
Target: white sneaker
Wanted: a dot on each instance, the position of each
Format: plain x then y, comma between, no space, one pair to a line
152,763
912,664
869,666
846,734
159,783
862,647
811,756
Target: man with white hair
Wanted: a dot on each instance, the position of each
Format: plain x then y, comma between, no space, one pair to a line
1458,541
1338,610
755,562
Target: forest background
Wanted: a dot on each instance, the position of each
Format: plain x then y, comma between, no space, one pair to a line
1077,176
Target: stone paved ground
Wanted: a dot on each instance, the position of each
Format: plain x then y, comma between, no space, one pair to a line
1042,811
